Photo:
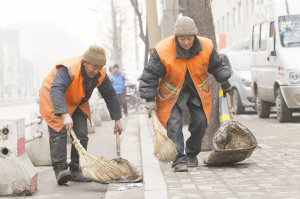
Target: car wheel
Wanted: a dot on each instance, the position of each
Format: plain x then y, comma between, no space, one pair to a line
262,107
284,114
236,102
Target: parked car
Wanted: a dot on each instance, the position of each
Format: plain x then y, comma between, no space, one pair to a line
275,68
240,80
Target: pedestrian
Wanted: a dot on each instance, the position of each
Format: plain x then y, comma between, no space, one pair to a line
177,75
118,80
64,105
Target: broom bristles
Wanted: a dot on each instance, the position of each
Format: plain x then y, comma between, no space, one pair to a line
95,167
164,148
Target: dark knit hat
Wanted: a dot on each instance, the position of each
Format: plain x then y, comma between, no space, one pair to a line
95,55
185,26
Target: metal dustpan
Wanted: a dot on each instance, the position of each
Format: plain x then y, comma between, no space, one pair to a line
131,173
232,143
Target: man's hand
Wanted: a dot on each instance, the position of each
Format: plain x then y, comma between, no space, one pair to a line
118,127
67,121
150,106
226,87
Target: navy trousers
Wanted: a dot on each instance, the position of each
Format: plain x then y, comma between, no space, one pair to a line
197,129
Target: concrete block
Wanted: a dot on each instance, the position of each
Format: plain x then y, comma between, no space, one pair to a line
38,150
18,175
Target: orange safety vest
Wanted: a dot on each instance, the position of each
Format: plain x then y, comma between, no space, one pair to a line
74,94
170,85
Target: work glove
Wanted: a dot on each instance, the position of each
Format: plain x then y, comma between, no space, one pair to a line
150,106
226,87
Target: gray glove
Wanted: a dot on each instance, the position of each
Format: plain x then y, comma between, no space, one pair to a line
150,106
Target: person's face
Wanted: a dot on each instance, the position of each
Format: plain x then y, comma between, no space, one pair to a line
90,69
186,41
116,70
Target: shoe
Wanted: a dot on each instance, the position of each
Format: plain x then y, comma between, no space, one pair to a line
78,176
180,167
192,162
126,114
62,176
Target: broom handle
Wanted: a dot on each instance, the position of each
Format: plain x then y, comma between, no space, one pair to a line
229,105
73,134
154,120
118,144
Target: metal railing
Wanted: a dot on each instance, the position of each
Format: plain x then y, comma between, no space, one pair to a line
37,121
38,134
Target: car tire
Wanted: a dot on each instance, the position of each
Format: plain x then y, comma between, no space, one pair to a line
284,114
236,102
262,107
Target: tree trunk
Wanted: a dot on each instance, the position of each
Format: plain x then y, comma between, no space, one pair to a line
200,12
135,5
116,37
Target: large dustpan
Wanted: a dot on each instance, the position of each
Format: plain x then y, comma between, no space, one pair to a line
232,143
131,173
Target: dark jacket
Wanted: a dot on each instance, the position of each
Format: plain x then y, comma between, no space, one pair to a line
62,81
155,70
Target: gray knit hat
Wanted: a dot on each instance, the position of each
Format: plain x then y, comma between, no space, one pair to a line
185,26
95,55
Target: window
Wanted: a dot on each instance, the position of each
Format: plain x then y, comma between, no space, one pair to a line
240,13
247,9
263,36
255,37
223,24
228,21
233,17
272,29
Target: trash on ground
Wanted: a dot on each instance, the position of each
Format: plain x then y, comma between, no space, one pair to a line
135,185
122,188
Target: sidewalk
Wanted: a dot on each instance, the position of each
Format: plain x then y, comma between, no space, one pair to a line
273,171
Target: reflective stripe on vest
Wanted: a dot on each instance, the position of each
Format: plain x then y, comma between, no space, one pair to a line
169,87
201,86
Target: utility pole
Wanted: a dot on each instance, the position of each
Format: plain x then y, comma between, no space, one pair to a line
152,23
200,12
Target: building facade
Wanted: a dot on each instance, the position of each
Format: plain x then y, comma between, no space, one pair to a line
233,22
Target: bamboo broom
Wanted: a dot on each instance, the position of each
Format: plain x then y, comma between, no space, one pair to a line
164,148
95,167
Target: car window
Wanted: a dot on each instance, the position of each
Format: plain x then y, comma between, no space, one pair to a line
263,36
255,37
241,62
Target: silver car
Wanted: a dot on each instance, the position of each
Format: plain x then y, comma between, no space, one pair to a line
240,80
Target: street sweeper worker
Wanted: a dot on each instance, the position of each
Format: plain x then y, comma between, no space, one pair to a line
64,105
177,75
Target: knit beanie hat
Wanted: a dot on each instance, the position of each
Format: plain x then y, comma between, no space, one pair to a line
185,26
95,55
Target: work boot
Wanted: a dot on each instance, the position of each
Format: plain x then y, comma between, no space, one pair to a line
192,162
77,175
180,167
62,176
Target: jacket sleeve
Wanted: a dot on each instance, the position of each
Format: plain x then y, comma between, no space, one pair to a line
153,71
217,68
110,97
60,84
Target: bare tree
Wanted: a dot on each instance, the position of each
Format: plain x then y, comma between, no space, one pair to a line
142,35
200,12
